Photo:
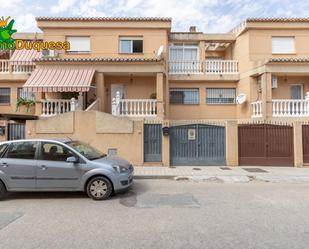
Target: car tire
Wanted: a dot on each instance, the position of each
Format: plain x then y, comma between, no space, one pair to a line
99,188
3,191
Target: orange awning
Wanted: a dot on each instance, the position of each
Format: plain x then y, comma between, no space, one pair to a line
57,79
24,56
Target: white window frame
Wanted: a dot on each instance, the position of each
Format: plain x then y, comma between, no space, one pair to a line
223,88
21,93
9,94
78,51
287,51
131,39
184,46
175,89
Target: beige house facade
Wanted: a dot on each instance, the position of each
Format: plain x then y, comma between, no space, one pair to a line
133,87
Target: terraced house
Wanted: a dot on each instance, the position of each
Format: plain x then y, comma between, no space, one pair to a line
131,86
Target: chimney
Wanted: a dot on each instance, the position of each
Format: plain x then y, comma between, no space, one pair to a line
192,29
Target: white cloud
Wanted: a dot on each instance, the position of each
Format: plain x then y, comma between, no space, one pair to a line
207,15
62,6
25,22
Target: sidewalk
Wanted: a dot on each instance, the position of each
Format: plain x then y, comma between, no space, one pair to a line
226,174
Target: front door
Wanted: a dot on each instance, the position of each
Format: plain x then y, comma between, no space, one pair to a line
53,172
117,88
19,165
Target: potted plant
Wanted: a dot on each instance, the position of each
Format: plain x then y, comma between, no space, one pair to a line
28,103
153,96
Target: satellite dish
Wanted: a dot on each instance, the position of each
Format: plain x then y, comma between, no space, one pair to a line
160,51
241,98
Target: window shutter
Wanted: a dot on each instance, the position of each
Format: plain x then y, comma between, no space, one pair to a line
283,45
79,44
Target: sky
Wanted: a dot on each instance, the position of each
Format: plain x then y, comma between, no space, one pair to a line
213,16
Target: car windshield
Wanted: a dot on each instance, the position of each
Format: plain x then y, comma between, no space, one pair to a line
86,150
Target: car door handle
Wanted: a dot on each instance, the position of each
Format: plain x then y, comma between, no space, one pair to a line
43,167
5,165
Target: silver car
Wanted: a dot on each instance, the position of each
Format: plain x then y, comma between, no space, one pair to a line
61,165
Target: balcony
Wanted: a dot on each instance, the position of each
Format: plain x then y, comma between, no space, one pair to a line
16,67
214,67
53,107
134,107
283,108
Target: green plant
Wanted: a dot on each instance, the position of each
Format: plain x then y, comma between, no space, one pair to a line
26,102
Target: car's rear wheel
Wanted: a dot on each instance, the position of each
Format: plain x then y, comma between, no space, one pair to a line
99,188
3,191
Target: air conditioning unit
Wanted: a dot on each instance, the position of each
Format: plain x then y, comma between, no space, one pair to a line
274,81
49,53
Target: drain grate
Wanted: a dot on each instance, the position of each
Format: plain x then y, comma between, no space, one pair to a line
225,168
197,169
255,170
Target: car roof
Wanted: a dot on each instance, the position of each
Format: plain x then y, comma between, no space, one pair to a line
61,140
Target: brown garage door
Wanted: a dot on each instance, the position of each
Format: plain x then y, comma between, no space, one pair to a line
266,145
306,143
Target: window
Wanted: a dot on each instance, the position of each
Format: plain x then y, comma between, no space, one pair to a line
283,45
131,45
22,150
21,93
220,95
2,149
186,96
79,44
86,150
55,152
179,53
5,95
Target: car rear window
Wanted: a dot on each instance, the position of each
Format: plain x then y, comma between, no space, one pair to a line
22,150
2,149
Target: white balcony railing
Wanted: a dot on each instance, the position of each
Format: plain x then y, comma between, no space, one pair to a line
185,67
207,67
134,107
256,109
290,108
53,107
7,66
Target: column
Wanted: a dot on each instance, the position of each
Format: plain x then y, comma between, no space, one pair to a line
100,90
298,143
266,95
231,140
160,94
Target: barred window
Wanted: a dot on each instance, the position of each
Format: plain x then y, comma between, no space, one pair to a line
186,96
21,93
220,95
5,95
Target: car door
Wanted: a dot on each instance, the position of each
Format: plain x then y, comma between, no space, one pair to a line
19,165
53,172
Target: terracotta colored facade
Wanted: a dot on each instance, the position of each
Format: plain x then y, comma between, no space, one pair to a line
145,73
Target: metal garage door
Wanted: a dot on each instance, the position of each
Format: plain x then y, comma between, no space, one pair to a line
197,144
306,143
152,143
266,145
16,131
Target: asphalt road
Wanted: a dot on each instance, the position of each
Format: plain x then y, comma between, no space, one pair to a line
161,214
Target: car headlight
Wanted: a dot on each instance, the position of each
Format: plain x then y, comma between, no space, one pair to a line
120,169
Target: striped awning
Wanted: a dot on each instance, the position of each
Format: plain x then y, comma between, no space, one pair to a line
57,79
24,56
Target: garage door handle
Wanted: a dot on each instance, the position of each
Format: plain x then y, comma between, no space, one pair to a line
43,167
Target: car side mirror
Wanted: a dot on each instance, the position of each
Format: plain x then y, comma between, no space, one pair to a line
72,159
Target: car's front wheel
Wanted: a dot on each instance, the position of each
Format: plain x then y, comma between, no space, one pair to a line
99,188
3,191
